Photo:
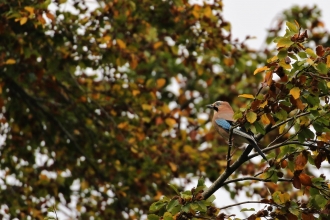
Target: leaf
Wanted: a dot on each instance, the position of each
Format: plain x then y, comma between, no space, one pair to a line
29,9
157,206
173,167
153,217
160,83
264,119
328,61
305,179
157,45
281,128
300,162
247,210
295,92
322,67
173,206
292,27
320,50
248,96
260,69
23,20
168,216
170,122
10,61
121,44
174,188
284,42
251,117
311,53
296,182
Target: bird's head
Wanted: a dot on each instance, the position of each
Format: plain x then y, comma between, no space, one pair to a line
215,106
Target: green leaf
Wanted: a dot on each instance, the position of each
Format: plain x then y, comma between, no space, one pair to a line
259,127
168,216
153,217
302,54
320,201
201,182
247,210
281,115
292,27
282,54
311,53
156,206
284,42
211,198
322,67
173,206
305,134
174,188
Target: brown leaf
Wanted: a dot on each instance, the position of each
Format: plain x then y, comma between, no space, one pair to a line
296,182
284,163
319,159
308,216
300,162
305,179
291,216
320,50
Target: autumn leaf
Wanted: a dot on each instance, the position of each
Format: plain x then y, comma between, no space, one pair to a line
295,92
320,50
23,20
248,96
173,166
264,119
160,83
29,9
10,61
170,122
328,61
284,42
121,44
305,179
251,117
260,69
311,53
300,162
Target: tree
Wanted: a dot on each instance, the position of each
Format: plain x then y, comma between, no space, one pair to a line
95,123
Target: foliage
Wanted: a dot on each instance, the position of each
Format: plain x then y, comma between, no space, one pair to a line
105,108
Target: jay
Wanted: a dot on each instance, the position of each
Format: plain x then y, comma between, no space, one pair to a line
223,120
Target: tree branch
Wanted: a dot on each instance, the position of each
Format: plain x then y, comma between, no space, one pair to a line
254,178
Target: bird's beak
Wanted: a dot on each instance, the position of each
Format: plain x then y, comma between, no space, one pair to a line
211,106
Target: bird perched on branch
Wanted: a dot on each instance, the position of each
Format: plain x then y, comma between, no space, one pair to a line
223,121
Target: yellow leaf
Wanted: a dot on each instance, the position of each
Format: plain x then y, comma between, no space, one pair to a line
157,44
328,84
284,64
262,105
260,69
264,119
251,117
173,166
136,92
248,96
208,12
328,61
281,128
160,83
10,61
121,44
122,125
23,20
295,92
146,107
170,122
29,9
311,53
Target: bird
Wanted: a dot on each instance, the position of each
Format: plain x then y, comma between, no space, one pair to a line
223,121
